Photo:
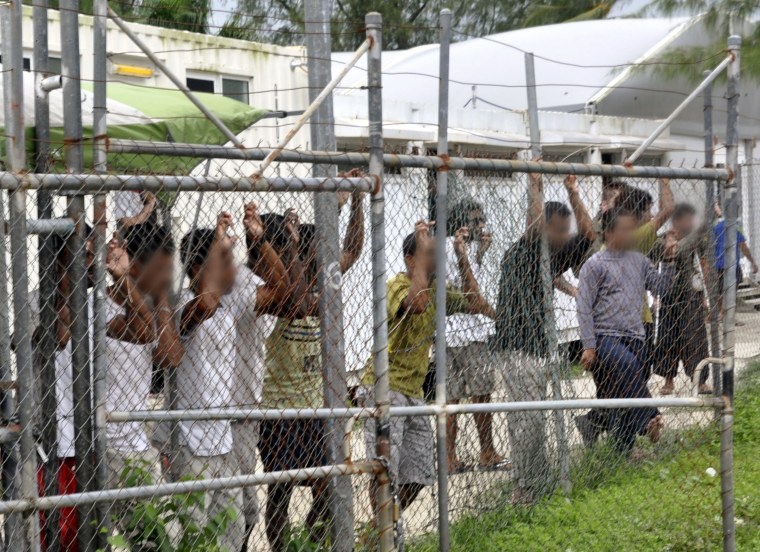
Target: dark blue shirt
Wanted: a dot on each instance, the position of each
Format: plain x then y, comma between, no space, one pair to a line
720,244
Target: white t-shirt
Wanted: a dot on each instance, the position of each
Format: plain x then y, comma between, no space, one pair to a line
128,373
206,375
64,393
127,204
463,329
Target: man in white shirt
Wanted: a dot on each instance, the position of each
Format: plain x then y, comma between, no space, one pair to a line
219,301
470,368
140,333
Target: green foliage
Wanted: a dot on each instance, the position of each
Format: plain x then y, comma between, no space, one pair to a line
146,526
561,11
667,502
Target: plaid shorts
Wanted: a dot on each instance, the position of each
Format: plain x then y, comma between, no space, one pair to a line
470,371
411,443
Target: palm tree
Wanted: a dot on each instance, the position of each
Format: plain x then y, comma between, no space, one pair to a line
562,11
721,18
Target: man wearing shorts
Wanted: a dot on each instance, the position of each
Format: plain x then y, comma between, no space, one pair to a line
411,330
470,370
294,378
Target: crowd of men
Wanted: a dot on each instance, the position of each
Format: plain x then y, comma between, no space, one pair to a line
249,336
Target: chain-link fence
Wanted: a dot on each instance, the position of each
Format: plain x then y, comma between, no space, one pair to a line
221,359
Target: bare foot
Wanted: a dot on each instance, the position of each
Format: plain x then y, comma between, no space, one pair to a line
705,389
521,498
668,388
639,455
489,458
654,428
455,465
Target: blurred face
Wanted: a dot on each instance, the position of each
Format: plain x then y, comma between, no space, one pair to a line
684,225
476,224
154,277
621,237
557,231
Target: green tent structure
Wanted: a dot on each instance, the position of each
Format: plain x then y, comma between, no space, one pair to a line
141,113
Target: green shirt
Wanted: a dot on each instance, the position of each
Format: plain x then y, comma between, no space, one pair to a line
293,377
410,336
645,237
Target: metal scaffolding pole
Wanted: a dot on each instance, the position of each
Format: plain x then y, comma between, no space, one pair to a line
731,260
384,498
317,26
78,271
441,216
99,131
13,89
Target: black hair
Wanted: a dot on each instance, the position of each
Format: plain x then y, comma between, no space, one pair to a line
58,241
409,247
555,208
308,235
195,247
610,189
635,201
610,218
274,231
142,241
459,215
683,210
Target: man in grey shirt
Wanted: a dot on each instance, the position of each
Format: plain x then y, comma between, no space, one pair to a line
612,283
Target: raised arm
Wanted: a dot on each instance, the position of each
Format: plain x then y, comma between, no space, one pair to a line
475,301
273,296
354,240
149,204
169,351
561,283
208,292
136,325
418,298
535,221
582,218
667,204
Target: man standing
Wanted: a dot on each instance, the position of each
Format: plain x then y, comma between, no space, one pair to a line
470,370
521,334
682,334
742,248
218,299
612,331
411,331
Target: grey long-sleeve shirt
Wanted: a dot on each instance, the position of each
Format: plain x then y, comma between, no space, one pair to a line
609,294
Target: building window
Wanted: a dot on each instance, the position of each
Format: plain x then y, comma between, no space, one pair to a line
200,85
27,63
235,89
54,65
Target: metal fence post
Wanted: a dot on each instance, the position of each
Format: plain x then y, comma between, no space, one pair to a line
99,130
441,215
317,27
13,88
46,346
711,277
384,498
78,271
548,289
730,209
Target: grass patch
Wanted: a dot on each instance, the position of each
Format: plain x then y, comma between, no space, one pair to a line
668,503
